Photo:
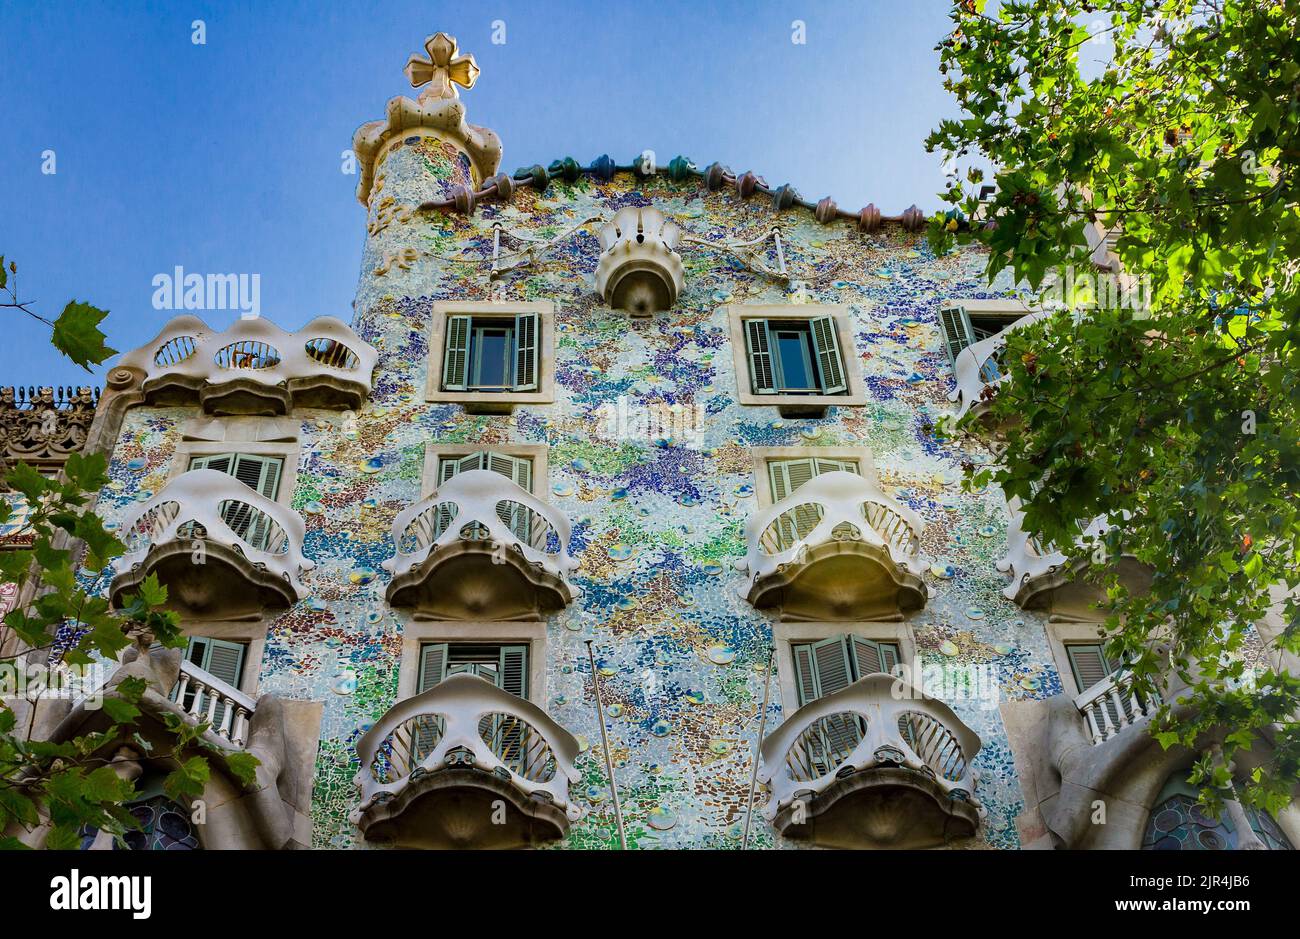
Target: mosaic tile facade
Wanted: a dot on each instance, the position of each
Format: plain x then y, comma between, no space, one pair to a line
658,524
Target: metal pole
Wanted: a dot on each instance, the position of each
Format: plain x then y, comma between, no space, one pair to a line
762,728
604,742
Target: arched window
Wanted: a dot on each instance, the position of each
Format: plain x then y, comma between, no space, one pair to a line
164,824
1177,823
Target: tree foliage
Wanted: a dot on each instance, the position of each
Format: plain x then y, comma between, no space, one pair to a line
69,784
1174,122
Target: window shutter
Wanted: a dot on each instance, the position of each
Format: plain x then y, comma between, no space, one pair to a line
1088,662
888,657
225,660
219,462
433,665
259,473
830,363
957,331
526,352
867,658
514,670
759,346
788,475
834,671
456,354
824,465
518,470
805,673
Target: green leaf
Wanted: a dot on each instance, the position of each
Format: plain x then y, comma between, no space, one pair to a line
77,334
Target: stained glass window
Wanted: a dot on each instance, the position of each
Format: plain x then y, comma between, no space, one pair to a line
1177,823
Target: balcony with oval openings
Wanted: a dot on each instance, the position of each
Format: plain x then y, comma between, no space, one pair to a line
639,270
481,547
874,765
975,338
465,764
222,548
254,367
835,548
1044,578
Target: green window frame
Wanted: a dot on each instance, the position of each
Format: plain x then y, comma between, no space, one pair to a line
519,469
503,664
816,344
785,477
467,363
259,473
829,665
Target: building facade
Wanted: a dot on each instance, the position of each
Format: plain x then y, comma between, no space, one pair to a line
673,422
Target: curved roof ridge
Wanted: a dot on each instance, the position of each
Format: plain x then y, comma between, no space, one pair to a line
503,186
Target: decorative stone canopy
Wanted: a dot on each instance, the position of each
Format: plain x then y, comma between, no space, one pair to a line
438,110
253,367
638,270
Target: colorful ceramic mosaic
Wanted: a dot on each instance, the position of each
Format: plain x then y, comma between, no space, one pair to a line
658,526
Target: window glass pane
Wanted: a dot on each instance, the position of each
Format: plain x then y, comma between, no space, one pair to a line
491,356
794,366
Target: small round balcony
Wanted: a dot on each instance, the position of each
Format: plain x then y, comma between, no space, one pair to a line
837,548
465,765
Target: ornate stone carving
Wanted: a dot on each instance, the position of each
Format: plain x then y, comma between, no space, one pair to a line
42,426
639,271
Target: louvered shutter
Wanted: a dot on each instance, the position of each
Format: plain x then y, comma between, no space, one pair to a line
455,367
514,670
428,727
259,473
219,462
957,331
834,669
1088,662
262,475
758,345
517,516
1090,665
786,477
830,363
526,352
837,734
825,465
867,659
433,665
805,673
889,657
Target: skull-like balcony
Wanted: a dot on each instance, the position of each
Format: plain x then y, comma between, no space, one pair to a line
481,547
254,367
439,768
1042,577
980,366
876,765
219,547
836,548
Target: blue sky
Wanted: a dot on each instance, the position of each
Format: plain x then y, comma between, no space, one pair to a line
226,157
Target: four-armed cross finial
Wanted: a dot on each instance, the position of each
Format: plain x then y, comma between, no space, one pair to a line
441,68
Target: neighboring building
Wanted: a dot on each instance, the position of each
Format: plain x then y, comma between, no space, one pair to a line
677,412
40,427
